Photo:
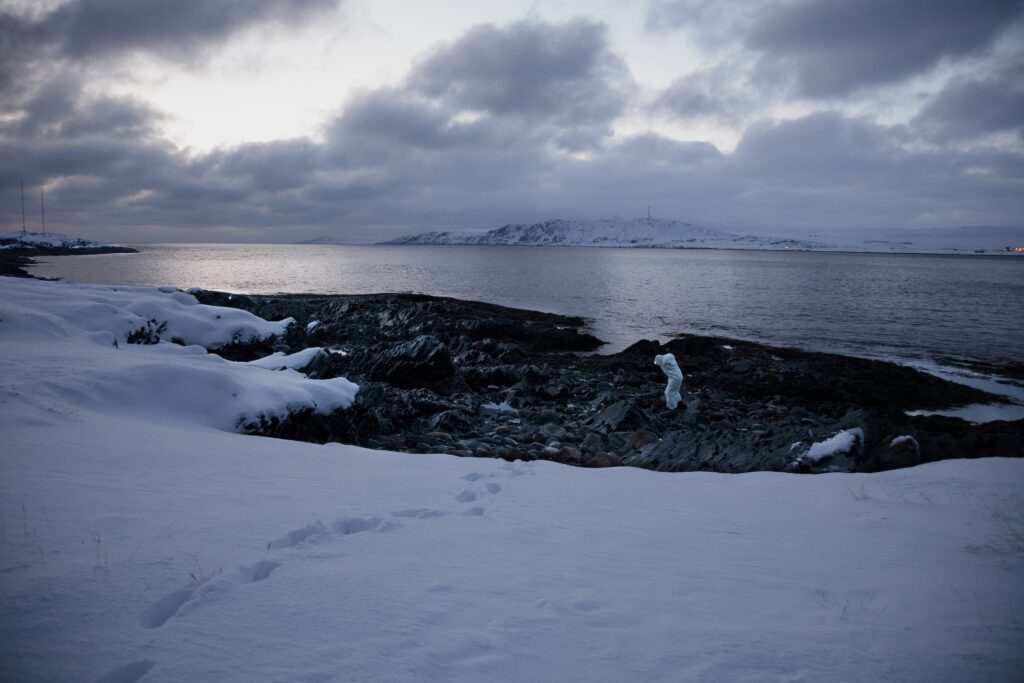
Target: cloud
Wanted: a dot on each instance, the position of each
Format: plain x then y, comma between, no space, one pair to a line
836,47
970,108
562,75
179,30
476,136
832,48
721,93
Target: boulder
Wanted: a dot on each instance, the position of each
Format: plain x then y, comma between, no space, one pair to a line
602,459
423,360
620,416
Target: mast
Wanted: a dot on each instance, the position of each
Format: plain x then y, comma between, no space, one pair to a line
42,208
648,212
23,229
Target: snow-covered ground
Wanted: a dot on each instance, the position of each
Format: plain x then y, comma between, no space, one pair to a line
141,540
48,240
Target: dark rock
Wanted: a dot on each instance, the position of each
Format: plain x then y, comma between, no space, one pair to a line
425,359
640,438
602,459
568,456
592,443
620,416
455,420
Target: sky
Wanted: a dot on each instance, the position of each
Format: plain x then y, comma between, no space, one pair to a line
283,120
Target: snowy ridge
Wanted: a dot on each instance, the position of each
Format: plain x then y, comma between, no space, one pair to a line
608,232
49,240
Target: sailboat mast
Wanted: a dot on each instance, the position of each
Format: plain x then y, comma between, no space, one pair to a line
23,229
42,208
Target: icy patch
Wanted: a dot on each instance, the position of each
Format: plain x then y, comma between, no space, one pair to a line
313,324
900,440
978,413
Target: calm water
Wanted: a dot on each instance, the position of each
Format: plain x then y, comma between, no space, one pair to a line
903,306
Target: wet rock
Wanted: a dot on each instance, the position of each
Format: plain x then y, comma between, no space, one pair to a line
425,359
640,438
554,431
602,459
455,420
592,443
745,406
568,455
620,416
900,451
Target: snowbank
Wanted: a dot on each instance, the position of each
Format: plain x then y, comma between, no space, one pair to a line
66,344
160,313
137,543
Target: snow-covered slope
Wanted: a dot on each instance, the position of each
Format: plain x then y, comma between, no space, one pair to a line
51,241
69,344
608,232
137,543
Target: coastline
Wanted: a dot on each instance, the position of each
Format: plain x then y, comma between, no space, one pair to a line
468,378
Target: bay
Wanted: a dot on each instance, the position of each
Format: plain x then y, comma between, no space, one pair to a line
903,306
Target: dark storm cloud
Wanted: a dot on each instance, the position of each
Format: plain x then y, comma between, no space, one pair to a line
469,152
175,29
831,47
553,74
835,47
971,108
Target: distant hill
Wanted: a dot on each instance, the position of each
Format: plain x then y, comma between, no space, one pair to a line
608,232
30,243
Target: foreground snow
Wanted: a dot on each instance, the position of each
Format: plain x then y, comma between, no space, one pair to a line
139,542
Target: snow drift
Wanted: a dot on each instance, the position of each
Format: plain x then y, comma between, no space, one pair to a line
138,544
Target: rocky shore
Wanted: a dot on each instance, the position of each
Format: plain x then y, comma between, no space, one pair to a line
475,379
15,257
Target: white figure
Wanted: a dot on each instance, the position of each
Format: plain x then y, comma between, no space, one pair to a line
668,365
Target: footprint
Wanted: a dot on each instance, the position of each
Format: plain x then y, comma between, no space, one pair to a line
355,525
420,513
293,538
259,571
473,512
493,488
465,496
166,607
129,673
473,476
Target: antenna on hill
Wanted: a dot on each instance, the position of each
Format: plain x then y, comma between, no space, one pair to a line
23,229
42,208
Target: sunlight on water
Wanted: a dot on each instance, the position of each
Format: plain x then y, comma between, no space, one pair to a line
903,306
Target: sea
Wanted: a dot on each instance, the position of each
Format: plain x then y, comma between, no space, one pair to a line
941,309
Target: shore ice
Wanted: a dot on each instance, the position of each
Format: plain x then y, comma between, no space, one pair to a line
143,544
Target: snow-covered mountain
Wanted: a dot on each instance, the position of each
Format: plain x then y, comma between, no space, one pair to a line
608,232
51,241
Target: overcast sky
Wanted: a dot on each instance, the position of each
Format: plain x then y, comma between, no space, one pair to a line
280,120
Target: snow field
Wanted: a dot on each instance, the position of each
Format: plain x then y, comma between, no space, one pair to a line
142,539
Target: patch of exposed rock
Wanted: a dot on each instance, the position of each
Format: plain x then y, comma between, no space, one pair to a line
474,379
